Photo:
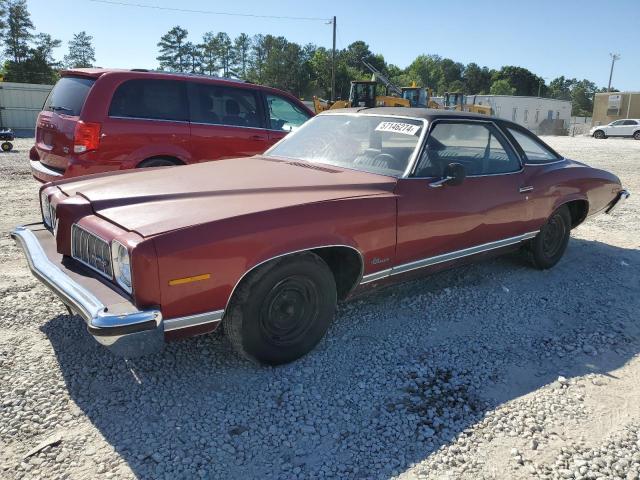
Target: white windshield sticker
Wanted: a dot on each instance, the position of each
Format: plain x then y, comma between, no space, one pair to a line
398,127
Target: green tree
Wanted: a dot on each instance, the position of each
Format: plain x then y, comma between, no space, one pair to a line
560,88
224,51
174,54
476,80
209,51
81,52
582,95
241,51
18,31
524,81
502,87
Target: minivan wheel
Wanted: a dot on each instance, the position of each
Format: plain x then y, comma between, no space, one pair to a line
281,310
157,162
548,246
599,134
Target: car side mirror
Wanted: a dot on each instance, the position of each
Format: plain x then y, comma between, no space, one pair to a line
454,174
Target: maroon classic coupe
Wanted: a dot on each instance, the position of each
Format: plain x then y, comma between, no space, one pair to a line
354,199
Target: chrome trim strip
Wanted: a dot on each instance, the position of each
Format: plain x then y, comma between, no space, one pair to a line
372,277
148,119
133,333
193,320
39,167
525,189
299,251
446,257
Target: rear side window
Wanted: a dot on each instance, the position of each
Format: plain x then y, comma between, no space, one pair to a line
152,99
68,95
218,105
534,151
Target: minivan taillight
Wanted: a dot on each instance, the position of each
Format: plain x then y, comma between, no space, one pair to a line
86,137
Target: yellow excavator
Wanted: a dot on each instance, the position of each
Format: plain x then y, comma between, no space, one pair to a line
457,101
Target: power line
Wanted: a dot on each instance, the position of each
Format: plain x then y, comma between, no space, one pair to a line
207,12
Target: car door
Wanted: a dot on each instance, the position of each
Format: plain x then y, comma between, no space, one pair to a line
487,210
283,116
226,122
615,129
628,127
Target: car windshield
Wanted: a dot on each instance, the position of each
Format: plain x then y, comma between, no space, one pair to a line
375,144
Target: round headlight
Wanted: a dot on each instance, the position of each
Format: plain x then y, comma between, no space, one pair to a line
121,265
46,208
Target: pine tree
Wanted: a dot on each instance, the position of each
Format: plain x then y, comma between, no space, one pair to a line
225,52
209,50
241,49
174,51
18,31
81,52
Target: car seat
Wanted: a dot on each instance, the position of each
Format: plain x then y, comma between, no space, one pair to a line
232,116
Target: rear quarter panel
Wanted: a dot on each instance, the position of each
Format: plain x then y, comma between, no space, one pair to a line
228,249
562,182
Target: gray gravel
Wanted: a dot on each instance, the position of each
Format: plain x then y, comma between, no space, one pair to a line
490,371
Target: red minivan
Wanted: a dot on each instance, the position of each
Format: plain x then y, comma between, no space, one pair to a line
99,120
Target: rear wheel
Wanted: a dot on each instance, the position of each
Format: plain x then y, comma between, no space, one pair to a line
157,162
599,134
6,146
547,248
281,310
636,135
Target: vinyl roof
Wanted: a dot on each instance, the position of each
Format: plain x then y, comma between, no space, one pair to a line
427,113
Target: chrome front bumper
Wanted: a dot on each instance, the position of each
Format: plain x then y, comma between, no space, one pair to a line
621,197
122,328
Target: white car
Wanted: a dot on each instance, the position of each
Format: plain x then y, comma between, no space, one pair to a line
626,127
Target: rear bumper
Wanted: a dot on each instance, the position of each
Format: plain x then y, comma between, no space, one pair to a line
42,173
110,317
621,197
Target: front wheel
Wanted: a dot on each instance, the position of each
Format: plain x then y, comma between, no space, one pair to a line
599,134
548,246
281,310
636,135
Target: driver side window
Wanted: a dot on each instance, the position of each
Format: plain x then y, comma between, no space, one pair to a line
284,115
479,147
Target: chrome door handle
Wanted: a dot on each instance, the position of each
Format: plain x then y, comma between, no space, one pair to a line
525,189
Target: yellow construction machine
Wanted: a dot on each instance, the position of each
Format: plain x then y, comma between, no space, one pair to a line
458,101
361,94
419,96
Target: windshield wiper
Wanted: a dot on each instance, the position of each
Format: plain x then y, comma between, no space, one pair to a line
60,108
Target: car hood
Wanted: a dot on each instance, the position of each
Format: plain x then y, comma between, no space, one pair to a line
153,201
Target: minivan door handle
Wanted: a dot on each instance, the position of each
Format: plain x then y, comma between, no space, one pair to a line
261,138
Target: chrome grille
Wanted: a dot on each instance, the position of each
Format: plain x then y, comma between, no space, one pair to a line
91,250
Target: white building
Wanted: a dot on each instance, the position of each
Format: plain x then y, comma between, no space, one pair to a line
20,104
529,112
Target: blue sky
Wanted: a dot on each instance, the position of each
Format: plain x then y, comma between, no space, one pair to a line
551,38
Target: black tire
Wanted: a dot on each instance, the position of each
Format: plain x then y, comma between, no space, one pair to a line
281,310
6,146
546,248
599,134
636,135
157,162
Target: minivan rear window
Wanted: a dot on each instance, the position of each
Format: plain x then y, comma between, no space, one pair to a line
152,99
68,95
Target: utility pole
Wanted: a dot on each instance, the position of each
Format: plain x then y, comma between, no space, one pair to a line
614,58
333,62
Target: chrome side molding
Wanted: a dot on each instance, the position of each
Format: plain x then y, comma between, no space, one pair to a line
193,320
446,257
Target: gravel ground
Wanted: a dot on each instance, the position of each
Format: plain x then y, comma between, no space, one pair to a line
494,371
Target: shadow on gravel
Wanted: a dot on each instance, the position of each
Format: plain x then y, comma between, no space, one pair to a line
400,373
